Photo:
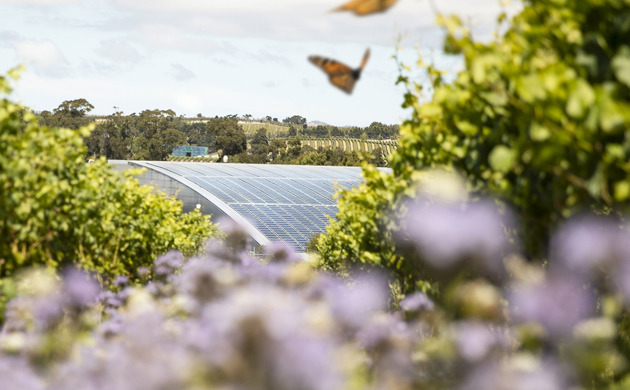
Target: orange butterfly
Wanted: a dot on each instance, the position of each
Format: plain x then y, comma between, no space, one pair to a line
340,75
366,7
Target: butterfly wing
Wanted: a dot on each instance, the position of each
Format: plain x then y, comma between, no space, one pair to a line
366,7
345,81
340,75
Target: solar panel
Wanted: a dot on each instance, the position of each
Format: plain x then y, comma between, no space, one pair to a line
289,203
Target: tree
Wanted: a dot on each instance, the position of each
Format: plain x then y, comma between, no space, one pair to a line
294,147
70,114
164,142
74,108
320,131
230,137
295,119
292,131
376,130
277,147
336,132
260,146
355,132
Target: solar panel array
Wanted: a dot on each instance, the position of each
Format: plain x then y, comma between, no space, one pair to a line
287,203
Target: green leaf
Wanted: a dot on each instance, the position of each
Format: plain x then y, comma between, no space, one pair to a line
622,191
530,88
611,116
502,158
581,97
537,132
621,65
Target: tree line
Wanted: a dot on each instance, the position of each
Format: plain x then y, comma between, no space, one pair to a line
153,134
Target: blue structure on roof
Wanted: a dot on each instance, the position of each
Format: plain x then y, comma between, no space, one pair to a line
286,203
190,151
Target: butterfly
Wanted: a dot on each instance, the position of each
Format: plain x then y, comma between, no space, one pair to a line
340,75
366,7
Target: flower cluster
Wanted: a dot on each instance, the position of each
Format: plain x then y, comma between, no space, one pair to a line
222,320
519,324
227,320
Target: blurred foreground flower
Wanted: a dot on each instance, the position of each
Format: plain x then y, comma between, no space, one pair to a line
450,236
558,303
595,249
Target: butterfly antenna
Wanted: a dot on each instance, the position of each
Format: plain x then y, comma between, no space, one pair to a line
365,58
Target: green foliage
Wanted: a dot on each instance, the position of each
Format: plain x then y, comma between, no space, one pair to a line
230,137
152,135
539,118
295,119
70,114
311,245
56,209
360,234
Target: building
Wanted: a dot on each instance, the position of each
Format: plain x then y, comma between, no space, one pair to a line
190,151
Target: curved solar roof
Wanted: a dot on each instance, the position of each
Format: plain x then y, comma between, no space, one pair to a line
281,202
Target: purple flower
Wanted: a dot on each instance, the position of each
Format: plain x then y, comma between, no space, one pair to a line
475,341
121,281
199,280
80,289
416,303
354,304
302,362
110,328
595,248
109,299
237,239
380,332
278,251
584,244
15,373
518,373
168,263
557,303
48,311
446,234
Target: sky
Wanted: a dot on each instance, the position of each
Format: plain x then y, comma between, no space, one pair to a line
215,57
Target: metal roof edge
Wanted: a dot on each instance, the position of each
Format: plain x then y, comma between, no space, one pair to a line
256,234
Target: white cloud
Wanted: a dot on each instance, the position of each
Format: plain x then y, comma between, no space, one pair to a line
43,56
118,51
181,73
